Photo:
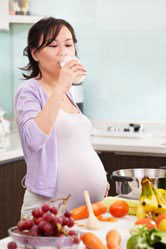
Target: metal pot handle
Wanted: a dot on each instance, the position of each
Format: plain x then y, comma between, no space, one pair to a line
121,178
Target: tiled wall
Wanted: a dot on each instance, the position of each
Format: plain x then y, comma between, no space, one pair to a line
122,44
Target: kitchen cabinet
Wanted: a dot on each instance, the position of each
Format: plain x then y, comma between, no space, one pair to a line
115,161
134,161
11,194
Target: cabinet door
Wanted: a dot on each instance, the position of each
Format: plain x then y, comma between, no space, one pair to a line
11,195
133,161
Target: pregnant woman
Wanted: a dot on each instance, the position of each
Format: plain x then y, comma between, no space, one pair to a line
55,135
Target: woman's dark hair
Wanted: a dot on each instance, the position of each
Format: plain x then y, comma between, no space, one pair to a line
48,29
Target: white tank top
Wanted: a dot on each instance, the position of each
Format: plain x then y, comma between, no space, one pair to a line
79,167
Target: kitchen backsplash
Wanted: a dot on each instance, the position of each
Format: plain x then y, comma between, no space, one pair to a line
122,44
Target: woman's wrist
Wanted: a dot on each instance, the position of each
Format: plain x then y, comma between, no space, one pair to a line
59,93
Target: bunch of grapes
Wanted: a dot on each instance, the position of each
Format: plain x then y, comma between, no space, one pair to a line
45,221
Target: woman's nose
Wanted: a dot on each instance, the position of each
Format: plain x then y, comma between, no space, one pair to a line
63,51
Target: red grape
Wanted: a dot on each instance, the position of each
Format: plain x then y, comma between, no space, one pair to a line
58,220
55,230
20,225
55,222
46,207
37,220
37,212
12,245
54,210
70,222
71,232
48,231
41,226
67,214
65,220
34,231
28,224
25,224
49,217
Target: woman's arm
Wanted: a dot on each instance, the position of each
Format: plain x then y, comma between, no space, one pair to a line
47,117
35,122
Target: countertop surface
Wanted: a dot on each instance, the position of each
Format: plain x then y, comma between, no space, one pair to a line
151,145
155,144
151,141
10,147
123,225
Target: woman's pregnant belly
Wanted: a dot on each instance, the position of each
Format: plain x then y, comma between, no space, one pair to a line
79,167
80,171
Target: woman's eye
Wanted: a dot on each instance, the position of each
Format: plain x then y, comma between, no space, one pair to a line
52,46
68,45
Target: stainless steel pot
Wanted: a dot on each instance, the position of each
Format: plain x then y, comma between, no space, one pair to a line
128,181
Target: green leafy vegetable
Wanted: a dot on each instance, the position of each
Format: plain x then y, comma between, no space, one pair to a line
143,238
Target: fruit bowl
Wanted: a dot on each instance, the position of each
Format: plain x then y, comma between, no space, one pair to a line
40,242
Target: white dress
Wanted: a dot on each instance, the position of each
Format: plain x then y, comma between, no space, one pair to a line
79,167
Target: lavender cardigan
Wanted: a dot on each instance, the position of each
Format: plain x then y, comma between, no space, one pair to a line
40,150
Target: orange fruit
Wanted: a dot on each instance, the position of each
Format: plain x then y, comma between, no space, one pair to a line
161,222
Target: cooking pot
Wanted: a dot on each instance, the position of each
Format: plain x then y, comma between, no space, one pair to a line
128,181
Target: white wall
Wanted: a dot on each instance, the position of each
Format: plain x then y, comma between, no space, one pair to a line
122,43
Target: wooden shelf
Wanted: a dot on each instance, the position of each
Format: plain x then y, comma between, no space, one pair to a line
23,19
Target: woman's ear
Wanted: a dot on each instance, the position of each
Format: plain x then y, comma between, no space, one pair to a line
34,54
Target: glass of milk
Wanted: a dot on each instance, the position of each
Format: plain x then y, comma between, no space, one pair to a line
67,58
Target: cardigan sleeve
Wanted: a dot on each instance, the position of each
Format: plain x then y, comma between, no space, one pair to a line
27,106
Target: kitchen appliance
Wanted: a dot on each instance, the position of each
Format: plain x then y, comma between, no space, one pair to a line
77,92
4,124
131,130
128,181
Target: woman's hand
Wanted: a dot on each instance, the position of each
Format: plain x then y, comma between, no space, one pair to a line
68,73
107,190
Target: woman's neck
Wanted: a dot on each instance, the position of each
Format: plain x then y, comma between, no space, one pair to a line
48,83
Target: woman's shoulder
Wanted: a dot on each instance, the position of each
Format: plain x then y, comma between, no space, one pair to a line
29,87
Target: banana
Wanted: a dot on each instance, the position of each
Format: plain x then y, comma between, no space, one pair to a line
162,191
141,213
133,204
161,198
148,198
151,203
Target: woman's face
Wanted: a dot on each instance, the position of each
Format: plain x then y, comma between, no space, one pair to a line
48,57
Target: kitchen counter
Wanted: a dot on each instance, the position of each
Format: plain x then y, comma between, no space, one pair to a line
10,146
155,146
120,225
151,141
